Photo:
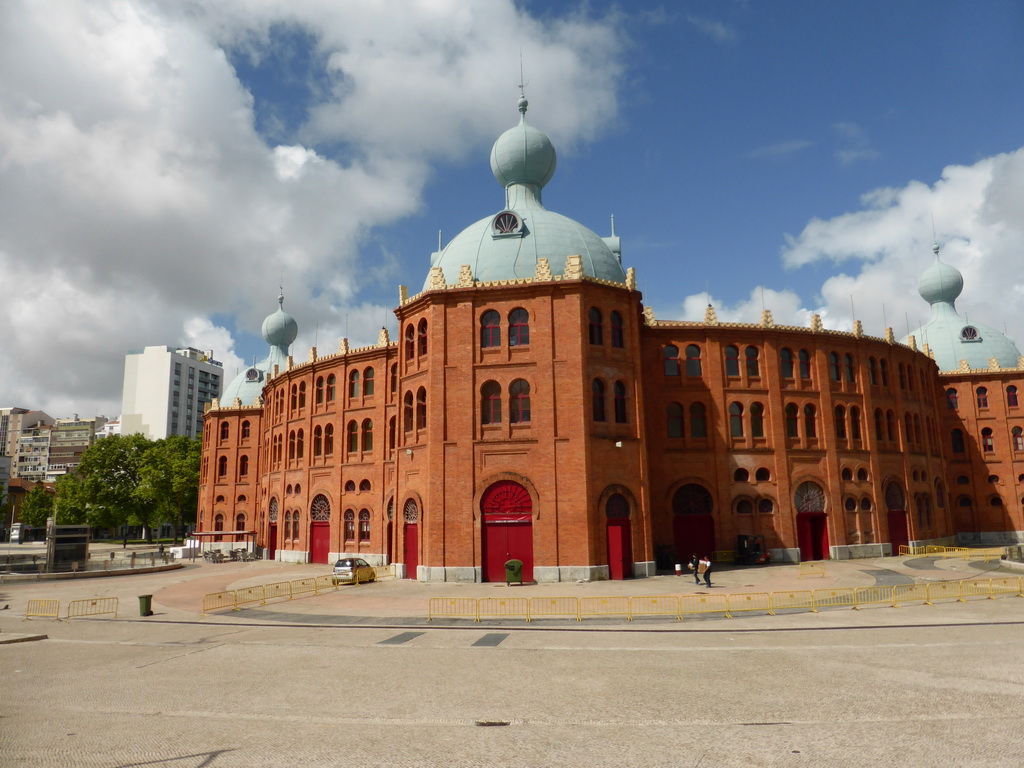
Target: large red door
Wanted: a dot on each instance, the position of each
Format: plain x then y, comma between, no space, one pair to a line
899,534
319,542
412,550
507,529
620,549
812,536
272,541
694,535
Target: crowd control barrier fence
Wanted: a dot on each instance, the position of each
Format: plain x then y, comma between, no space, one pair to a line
97,606
986,554
45,609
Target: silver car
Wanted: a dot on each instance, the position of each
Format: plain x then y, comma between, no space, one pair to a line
353,570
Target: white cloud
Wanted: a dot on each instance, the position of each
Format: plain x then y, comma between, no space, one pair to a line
855,145
716,30
139,205
780,149
786,308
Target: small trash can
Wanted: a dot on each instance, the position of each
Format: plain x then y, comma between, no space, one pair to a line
513,571
145,605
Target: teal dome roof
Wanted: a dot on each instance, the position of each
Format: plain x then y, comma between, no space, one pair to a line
280,328
951,338
279,331
507,244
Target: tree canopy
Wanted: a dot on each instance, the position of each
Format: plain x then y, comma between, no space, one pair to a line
37,506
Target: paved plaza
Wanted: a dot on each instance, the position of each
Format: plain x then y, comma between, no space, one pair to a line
359,677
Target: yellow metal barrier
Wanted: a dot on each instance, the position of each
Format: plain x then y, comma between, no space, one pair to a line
943,590
247,595
975,588
702,604
932,549
383,572
909,593
453,607
504,607
303,586
45,609
324,583
912,551
802,600
604,606
548,607
1006,585
277,589
812,569
872,596
748,601
723,556
214,601
832,598
654,605
97,606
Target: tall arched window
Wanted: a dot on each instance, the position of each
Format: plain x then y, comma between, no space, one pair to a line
890,426
951,399
595,326
295,526
318,391
410,342
353,437
851,371
490,403
855,422
243,465
1011,396
240,521
490,329
674,419
619,392
287,526
519,401
883,367
987,443
421,408
291,445
753,366
368,382
407,412
833,366
350,525
957,440
302,394
330,388
618,334
246,430
300,444
804,360
693,367
792,428
810,429
879,428
908,428
329,440
392,428
364,525
518,327
353,384
902,374
982,394
597,400
698,420
393,384
735,420
367,435
1018,439
320,509
318,441
224,430
840,422
222,466
872,370
422,336
732,361
756,420
786,363
670,356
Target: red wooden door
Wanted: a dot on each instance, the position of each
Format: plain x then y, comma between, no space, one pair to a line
389,543
506,540
812,536
899,535
412,549
620,549
319,542
271,541
694,534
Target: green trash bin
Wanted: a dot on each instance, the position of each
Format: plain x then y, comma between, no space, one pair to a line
145,605
513,571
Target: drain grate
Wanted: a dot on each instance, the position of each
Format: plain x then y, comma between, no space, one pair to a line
492,723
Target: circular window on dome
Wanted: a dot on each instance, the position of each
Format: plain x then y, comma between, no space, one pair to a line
252,374
507,223
969,333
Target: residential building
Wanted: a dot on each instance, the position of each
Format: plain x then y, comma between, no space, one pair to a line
166,390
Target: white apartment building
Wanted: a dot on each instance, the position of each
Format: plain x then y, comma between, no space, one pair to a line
32,457
12,421
166,389
69,439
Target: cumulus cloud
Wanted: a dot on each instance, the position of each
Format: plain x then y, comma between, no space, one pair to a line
786,307
140,203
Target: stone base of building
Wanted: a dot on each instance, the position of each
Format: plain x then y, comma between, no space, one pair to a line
292,556
989,539
860,551
791,555
372,559
456,574
643,570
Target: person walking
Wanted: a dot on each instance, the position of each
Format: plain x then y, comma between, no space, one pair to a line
694,565
705,568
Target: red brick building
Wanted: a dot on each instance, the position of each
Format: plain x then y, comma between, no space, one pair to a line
533,408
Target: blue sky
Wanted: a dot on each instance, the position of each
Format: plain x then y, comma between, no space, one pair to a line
164,165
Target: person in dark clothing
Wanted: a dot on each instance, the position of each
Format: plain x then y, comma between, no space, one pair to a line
694,565
705,568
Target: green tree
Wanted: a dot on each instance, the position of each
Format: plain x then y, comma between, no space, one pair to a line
110,474
71,505
37,506
170,480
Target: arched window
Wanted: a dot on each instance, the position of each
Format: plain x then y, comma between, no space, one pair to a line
519,401
987,443
597,400
410,342
851,371
1018,439
908,428
331,380
368,382
765,506
291,445
350,486
407,412
619,397
917,430
762,475
741,475
753,367
421,408
518,327
329,440
957,439
222,466
809,497
902,373
833,366
698,420
299,444
732,361
879,429
692,499
353,384
810,430
670,356
490,329
411,512
735,420
674,419
847,474
840,422
294,399
367,435
364,525
240,521
318,440
616,507
855,422
890,426
224,430
243,465
895,499
596,326
982,394
246,430
804,360
490,403
353,437
744,507
320,509
873,371
392,428
756,420
350,525
318,391
910,377
394,379
786,362
693,360
287,526
295,526
422,335
1011,396
792,430
364,485
302,394
618,334
883,367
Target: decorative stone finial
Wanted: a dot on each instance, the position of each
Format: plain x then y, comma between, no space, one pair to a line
212,405
312,355
710,316
1020,363
383,338
650,320
912,342
858,329
343,346
767,321
435,282
890,336
816,325
927,351
236,403
465,276
403,294
993,364
631,279
573,267
542,274
291,362
964,367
